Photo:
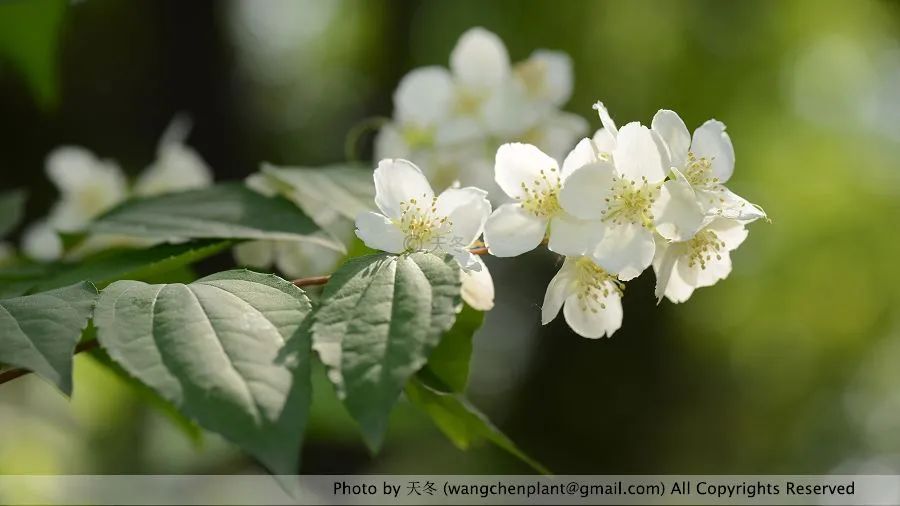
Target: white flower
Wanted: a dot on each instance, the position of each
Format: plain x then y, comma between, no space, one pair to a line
412,218
88,186
625,190
177,166
705,162
700,261
534,180
450,121
591,298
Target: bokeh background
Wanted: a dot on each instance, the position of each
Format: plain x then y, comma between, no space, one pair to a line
791,365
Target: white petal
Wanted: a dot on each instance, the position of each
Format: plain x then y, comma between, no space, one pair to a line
585,190
378,232
511,231
625,250
639,154
547,76
558,291
88,187
518,163
507,113
727,204
731,232
677,289
478,287
424,96
581,155
571,236
177,168
677,213
468,209
259,254
479,59
399,181
674,134
556,133
608,124
302,258
592,321
41,242
604,141
697,276
389,143
663,264
261,183
712,142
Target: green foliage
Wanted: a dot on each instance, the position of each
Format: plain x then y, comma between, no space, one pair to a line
230,351
224,211
29,40
39,332
448,367
380,318
12,208
141,264
461,422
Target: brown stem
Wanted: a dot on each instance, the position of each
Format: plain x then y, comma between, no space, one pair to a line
11,374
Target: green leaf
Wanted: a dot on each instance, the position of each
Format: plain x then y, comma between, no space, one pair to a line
327,192
448,367
12,209
224,211
29,40
109,266
39,332
461,422
230,350
380,318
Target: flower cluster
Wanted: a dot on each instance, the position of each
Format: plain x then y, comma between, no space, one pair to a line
624,200
89,186
450,122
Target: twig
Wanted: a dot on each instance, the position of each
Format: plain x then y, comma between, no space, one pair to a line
11,374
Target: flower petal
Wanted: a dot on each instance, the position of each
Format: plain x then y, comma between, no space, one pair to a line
178,167
571,236
716,268
547,76
677,289
478,287
677,213
674,134
41,242
727,204
712,142
558,291
585,190
625,250
399,181
518,163
506,114
304,258
556,132
590,319
604,141
608,124
258,254
424,96
639,154
378,232
468,209
581,155
389,143
731,232
511,231
663,264
479,59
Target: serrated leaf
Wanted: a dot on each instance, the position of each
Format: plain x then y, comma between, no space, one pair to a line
230,350
12,209
223,211
448,367
39,332
379,319
461,422
326,193
109,266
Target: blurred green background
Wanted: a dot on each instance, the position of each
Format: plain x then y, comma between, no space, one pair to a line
791,365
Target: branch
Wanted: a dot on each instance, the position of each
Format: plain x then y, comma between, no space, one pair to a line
321,280
11,374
